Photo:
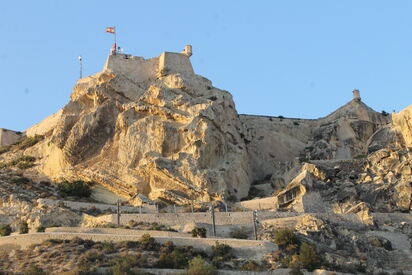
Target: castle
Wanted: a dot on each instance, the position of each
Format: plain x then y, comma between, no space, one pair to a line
144,69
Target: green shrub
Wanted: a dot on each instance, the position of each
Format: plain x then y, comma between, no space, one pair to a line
252,265
24,165
360,157
177,259
167,247
34,270
22,162
5,230
308,257
199,232
23,228
124,264
285,237
148,243
4,149
27,142
24,158
161,227
198,266
222,251
108,247
41,228
76,188
239,233
20,180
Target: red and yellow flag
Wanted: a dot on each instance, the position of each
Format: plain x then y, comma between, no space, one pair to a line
110,30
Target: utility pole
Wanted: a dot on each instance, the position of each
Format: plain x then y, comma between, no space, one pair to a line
81,65
118,213
254,221
212,212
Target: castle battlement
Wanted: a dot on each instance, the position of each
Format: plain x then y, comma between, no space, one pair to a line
140,69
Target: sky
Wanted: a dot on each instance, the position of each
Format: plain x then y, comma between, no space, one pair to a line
291,58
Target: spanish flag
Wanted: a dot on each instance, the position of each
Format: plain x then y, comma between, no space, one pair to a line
110,30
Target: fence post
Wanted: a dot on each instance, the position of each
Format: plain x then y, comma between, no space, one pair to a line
118,213
157,208
140,209
191,205
174,208
212,212
255,221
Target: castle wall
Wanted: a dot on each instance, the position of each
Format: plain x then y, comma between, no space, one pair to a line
135,67
139,69
8,137
170,63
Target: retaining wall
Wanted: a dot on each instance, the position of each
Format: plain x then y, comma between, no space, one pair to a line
242,248
221,218
100,206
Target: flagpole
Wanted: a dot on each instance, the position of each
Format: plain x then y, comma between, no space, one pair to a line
115,46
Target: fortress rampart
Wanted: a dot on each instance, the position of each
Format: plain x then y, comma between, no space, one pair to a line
141,69
9,137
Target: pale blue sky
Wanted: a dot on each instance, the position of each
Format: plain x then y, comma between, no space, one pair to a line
291,58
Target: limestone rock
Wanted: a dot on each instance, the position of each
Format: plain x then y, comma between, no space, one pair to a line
175,137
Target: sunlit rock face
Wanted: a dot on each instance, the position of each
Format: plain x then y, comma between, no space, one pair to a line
173,136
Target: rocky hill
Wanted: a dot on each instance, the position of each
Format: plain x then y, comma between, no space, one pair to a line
172,135
152,131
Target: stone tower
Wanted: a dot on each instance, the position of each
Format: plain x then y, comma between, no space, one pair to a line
356,95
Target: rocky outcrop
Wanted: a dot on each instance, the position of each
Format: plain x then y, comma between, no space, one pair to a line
176,138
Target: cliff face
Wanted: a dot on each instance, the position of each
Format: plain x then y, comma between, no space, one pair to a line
176,137
139,129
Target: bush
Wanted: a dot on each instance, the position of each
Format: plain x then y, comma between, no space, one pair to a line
23,228
285,237
148,243
20,180
239,233
199,232
22,162
76,188
252,265
27,142
178,259
123,264
4,149
34,270
223,251
108,247
41,228
198,266
308,257
24,165
161,227
5,230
